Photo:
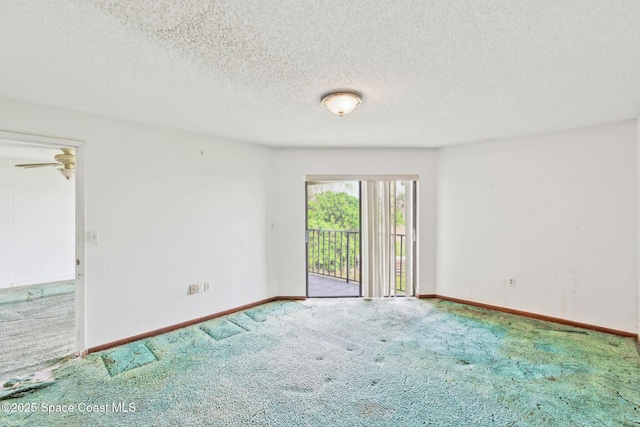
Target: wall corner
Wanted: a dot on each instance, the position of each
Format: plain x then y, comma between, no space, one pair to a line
638,226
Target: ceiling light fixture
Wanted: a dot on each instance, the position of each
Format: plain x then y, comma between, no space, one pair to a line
341,103
67,172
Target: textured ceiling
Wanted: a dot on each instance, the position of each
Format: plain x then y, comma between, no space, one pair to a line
431,73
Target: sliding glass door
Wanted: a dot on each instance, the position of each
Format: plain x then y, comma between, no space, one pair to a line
361,237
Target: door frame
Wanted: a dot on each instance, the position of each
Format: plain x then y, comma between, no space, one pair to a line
414,243
362,178
78,146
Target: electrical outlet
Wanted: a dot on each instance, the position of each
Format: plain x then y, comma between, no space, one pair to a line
207,286
511,281
193,289
199,287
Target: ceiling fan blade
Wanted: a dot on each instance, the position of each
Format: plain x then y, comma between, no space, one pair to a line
37,165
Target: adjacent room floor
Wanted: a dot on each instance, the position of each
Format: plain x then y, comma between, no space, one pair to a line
37,326
346,362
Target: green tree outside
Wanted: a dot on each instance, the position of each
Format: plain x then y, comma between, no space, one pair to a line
328,251
334,211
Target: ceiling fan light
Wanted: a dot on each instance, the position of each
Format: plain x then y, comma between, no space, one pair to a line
341,103
67,173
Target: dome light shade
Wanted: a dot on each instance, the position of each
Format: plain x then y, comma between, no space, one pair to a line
341,103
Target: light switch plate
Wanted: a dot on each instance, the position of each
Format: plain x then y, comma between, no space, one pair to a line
94,237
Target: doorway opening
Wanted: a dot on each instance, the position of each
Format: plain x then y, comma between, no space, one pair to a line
41,289
333,239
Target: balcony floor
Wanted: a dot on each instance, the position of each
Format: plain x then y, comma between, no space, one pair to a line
324,286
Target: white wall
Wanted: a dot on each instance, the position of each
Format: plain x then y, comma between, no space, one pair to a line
292,165
557,212
5,226
37,225
172,208
638,176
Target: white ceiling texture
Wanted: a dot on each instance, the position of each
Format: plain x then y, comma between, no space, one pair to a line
431,73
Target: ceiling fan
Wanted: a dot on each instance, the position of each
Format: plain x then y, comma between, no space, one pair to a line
66,161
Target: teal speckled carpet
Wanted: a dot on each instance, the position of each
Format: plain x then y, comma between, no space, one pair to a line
351,362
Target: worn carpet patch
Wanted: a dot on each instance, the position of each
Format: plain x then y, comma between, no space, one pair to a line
221,328
33,292
127,357
273,309
242,320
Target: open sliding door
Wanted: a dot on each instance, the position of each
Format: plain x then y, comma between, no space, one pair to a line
333,239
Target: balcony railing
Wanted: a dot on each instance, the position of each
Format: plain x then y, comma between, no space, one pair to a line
336,253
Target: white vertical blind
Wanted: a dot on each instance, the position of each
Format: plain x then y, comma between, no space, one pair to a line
376,226
379,257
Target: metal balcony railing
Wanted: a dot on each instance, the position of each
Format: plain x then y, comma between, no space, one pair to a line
336,253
